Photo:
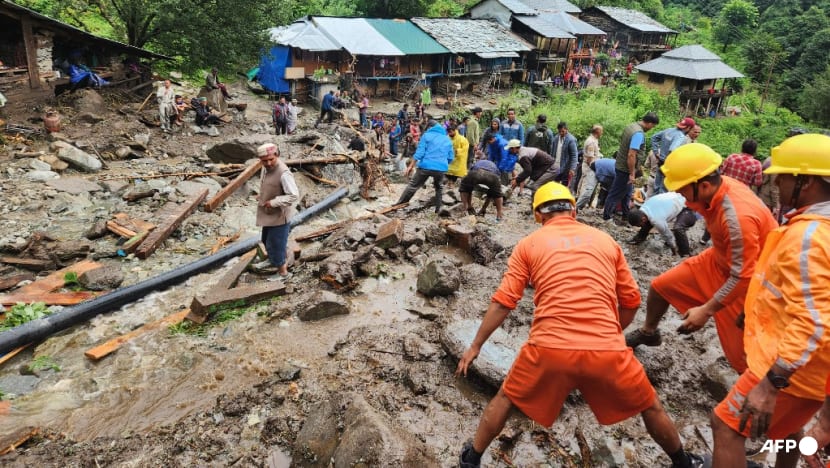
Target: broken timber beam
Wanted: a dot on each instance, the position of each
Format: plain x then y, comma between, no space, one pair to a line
33,264
330,160
26,434
57,279
171,215
12,354
112,345
333,227
120,230
223,194
51,298
201,305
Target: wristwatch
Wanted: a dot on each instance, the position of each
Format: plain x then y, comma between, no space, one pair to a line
777,381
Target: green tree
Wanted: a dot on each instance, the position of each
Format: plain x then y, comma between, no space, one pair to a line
763,56
735,22
815,99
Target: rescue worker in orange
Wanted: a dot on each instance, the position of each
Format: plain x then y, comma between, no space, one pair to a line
584,296
787,313
713,283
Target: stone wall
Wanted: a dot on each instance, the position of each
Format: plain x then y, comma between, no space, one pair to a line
44,43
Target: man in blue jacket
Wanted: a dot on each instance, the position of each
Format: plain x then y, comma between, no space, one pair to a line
498,153
565,154
326,108
433,157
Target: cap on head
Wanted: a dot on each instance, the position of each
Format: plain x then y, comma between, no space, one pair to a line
202,99
686,122
266,150
805,154
514,143
550,198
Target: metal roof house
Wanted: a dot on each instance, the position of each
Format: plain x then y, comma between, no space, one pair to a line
692,71
562,40
378,52
630,33
501,10
32,47
553,6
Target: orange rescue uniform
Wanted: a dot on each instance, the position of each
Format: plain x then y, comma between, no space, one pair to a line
739,224
787,320
580,278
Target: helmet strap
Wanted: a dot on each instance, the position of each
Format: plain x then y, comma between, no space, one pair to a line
694,191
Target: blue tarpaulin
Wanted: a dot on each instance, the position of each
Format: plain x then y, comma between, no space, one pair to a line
272,69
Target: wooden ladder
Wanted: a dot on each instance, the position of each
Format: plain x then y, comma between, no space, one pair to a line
411,90
488,82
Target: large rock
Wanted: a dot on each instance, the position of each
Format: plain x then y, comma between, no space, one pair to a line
390,234
190,188
439,278
239,149
325,304
318,439
215,99
39,165
74,185
89,101
77,158
102,279
41,176
337,270
371,439
496,356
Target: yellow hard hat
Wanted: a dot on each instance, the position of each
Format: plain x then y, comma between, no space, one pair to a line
552,191
689,163
807,154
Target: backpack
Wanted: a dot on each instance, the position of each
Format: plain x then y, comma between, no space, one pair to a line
279,114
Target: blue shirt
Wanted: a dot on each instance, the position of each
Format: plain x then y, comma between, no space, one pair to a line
328,100
637,141
604,168
514,131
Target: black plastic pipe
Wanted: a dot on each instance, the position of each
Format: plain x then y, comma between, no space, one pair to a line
41,328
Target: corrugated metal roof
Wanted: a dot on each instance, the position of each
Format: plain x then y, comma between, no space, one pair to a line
407,37
543,27
489,55
517,7
552,5
302,35
356,35
72,29
634,19
695,62
471,35
571,24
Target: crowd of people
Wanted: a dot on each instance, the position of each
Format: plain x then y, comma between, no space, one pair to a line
762,280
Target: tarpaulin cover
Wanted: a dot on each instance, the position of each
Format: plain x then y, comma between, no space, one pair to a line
272,69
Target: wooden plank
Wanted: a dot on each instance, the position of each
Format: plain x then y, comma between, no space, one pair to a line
133,224
172,217
56,280
12,281
132,244
120,230
200,307
69,298
232,187
12,354
34,264
31,52
112,345
229,279
25,434
328,160
333,227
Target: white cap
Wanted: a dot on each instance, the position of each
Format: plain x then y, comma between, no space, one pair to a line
265,150
514,143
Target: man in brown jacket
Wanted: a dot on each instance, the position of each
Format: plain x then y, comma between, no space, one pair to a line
277,195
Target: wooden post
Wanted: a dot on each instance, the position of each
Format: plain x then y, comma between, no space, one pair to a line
31,51
232,187
171,217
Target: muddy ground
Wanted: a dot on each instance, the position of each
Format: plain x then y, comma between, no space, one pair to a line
370,388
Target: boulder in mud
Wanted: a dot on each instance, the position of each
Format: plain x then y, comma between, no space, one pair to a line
106,278
74,185
497,354
77,158
371,439
439,278
324,304
484,249
336,271
238,150
318,439
88,101
390,234
41,176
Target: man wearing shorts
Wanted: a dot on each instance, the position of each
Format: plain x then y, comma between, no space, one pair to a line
584,295
787,313
483,172
713,283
